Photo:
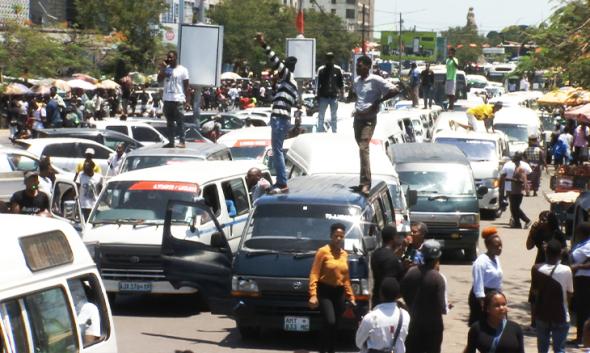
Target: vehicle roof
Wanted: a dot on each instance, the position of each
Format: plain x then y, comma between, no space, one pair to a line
5,149
318,150
515,115
470,135
16,272
36,144
117,122
322,189
84,131
247,133
199,172
427,153
191,149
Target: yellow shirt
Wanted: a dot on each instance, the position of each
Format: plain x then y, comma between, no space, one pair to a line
482,111
330,270
80,168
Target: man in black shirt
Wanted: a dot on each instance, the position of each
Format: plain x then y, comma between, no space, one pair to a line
427,82
330,85
31,200
423,290
386,261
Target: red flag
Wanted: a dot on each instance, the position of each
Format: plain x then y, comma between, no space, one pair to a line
299,21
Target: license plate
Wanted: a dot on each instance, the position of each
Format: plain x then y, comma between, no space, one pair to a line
135,287
296,323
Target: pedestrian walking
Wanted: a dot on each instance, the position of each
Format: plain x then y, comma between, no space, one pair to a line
386,261
329,86
176,95
423,289
385,328
553,287
284,99
55,107
452,65
90,186
519,185
369,91
486,273
580,258
535,157
329,285
427,83
414,84
581,135
494,333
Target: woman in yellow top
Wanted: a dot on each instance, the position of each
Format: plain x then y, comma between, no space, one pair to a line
329,285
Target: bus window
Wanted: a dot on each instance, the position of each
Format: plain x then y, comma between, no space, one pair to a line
91,314
15,325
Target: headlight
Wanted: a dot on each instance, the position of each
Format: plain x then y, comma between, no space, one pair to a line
244,286
492,183
360,287
469,221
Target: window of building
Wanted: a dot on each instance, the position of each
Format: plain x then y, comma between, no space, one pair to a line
350,14
351,2
333,11
333,2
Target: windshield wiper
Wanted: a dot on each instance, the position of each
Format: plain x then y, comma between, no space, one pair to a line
438,197
251,253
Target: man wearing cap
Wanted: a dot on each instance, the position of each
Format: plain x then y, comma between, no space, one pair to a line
31,200
535,157
329,85
423,289
88,155
284,99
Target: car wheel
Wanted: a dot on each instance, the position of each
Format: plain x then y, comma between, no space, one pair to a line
470,253
248,332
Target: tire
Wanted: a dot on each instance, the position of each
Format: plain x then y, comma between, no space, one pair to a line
470,253
249,332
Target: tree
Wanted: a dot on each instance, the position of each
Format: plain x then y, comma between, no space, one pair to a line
467,42
136,22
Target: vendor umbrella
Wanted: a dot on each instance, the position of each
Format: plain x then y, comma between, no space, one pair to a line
108,84
86,78
230,76
81,84
15,89
61,85
580,113
557,97
42,90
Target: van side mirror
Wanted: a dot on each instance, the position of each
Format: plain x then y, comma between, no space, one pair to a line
69,210
218,240
481,191
412,197
369,243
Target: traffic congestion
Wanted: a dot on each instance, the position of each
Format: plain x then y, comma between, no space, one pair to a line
365,204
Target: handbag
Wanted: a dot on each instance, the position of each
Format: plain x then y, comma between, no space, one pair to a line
395,336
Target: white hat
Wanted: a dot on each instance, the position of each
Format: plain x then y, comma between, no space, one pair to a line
89,151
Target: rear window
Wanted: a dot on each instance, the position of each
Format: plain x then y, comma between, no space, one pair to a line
119,128
67,150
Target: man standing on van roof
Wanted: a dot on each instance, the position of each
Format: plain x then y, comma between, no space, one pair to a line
370,91
176,95
482,112
452,65
329,85
284,99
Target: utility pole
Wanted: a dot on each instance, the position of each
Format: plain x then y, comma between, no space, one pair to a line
198,89
363,32
399,48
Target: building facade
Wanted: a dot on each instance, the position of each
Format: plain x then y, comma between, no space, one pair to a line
351,11
11,10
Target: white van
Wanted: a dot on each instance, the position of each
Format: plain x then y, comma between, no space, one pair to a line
518,124
125,225
311,154
142,132
247,143
51,296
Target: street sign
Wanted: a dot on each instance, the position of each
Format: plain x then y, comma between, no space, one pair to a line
201,51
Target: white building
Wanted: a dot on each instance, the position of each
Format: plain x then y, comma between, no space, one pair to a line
351,11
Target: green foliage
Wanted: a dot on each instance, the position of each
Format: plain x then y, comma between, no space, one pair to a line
278,23
138,21
461,38
26,50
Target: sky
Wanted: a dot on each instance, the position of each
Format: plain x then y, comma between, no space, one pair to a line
440,14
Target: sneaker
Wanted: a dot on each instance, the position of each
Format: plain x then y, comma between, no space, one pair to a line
168,145
527,225
181,145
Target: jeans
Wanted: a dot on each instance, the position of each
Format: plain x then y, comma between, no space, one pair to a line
280,128
174,113
546,330
363,132
414,92
333,103
427,93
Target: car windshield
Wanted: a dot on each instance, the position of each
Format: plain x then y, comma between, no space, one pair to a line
453,181
249,152
139,201
514,132
475,150
142,162
300,227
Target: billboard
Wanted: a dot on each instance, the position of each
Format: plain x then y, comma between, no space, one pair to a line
413,43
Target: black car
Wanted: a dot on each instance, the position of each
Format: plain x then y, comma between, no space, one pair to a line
108,138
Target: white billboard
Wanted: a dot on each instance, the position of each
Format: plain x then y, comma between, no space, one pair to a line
201,51
304,50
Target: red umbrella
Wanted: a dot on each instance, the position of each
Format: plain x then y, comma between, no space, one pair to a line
580,113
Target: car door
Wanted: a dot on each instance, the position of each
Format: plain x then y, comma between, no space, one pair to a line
189,262
65,203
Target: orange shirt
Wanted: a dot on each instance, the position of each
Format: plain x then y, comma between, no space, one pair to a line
329,270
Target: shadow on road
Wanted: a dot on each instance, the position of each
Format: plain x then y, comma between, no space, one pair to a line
157,305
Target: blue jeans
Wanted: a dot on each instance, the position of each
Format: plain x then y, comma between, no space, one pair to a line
333,103
546,330
279,129
427,93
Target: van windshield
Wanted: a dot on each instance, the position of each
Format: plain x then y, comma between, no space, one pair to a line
142,162
250,152
514,132
139,202
475,150
300,227
454,181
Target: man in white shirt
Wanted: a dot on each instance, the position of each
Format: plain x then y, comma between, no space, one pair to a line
90,186
175,97
115,160
506,175
384,329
